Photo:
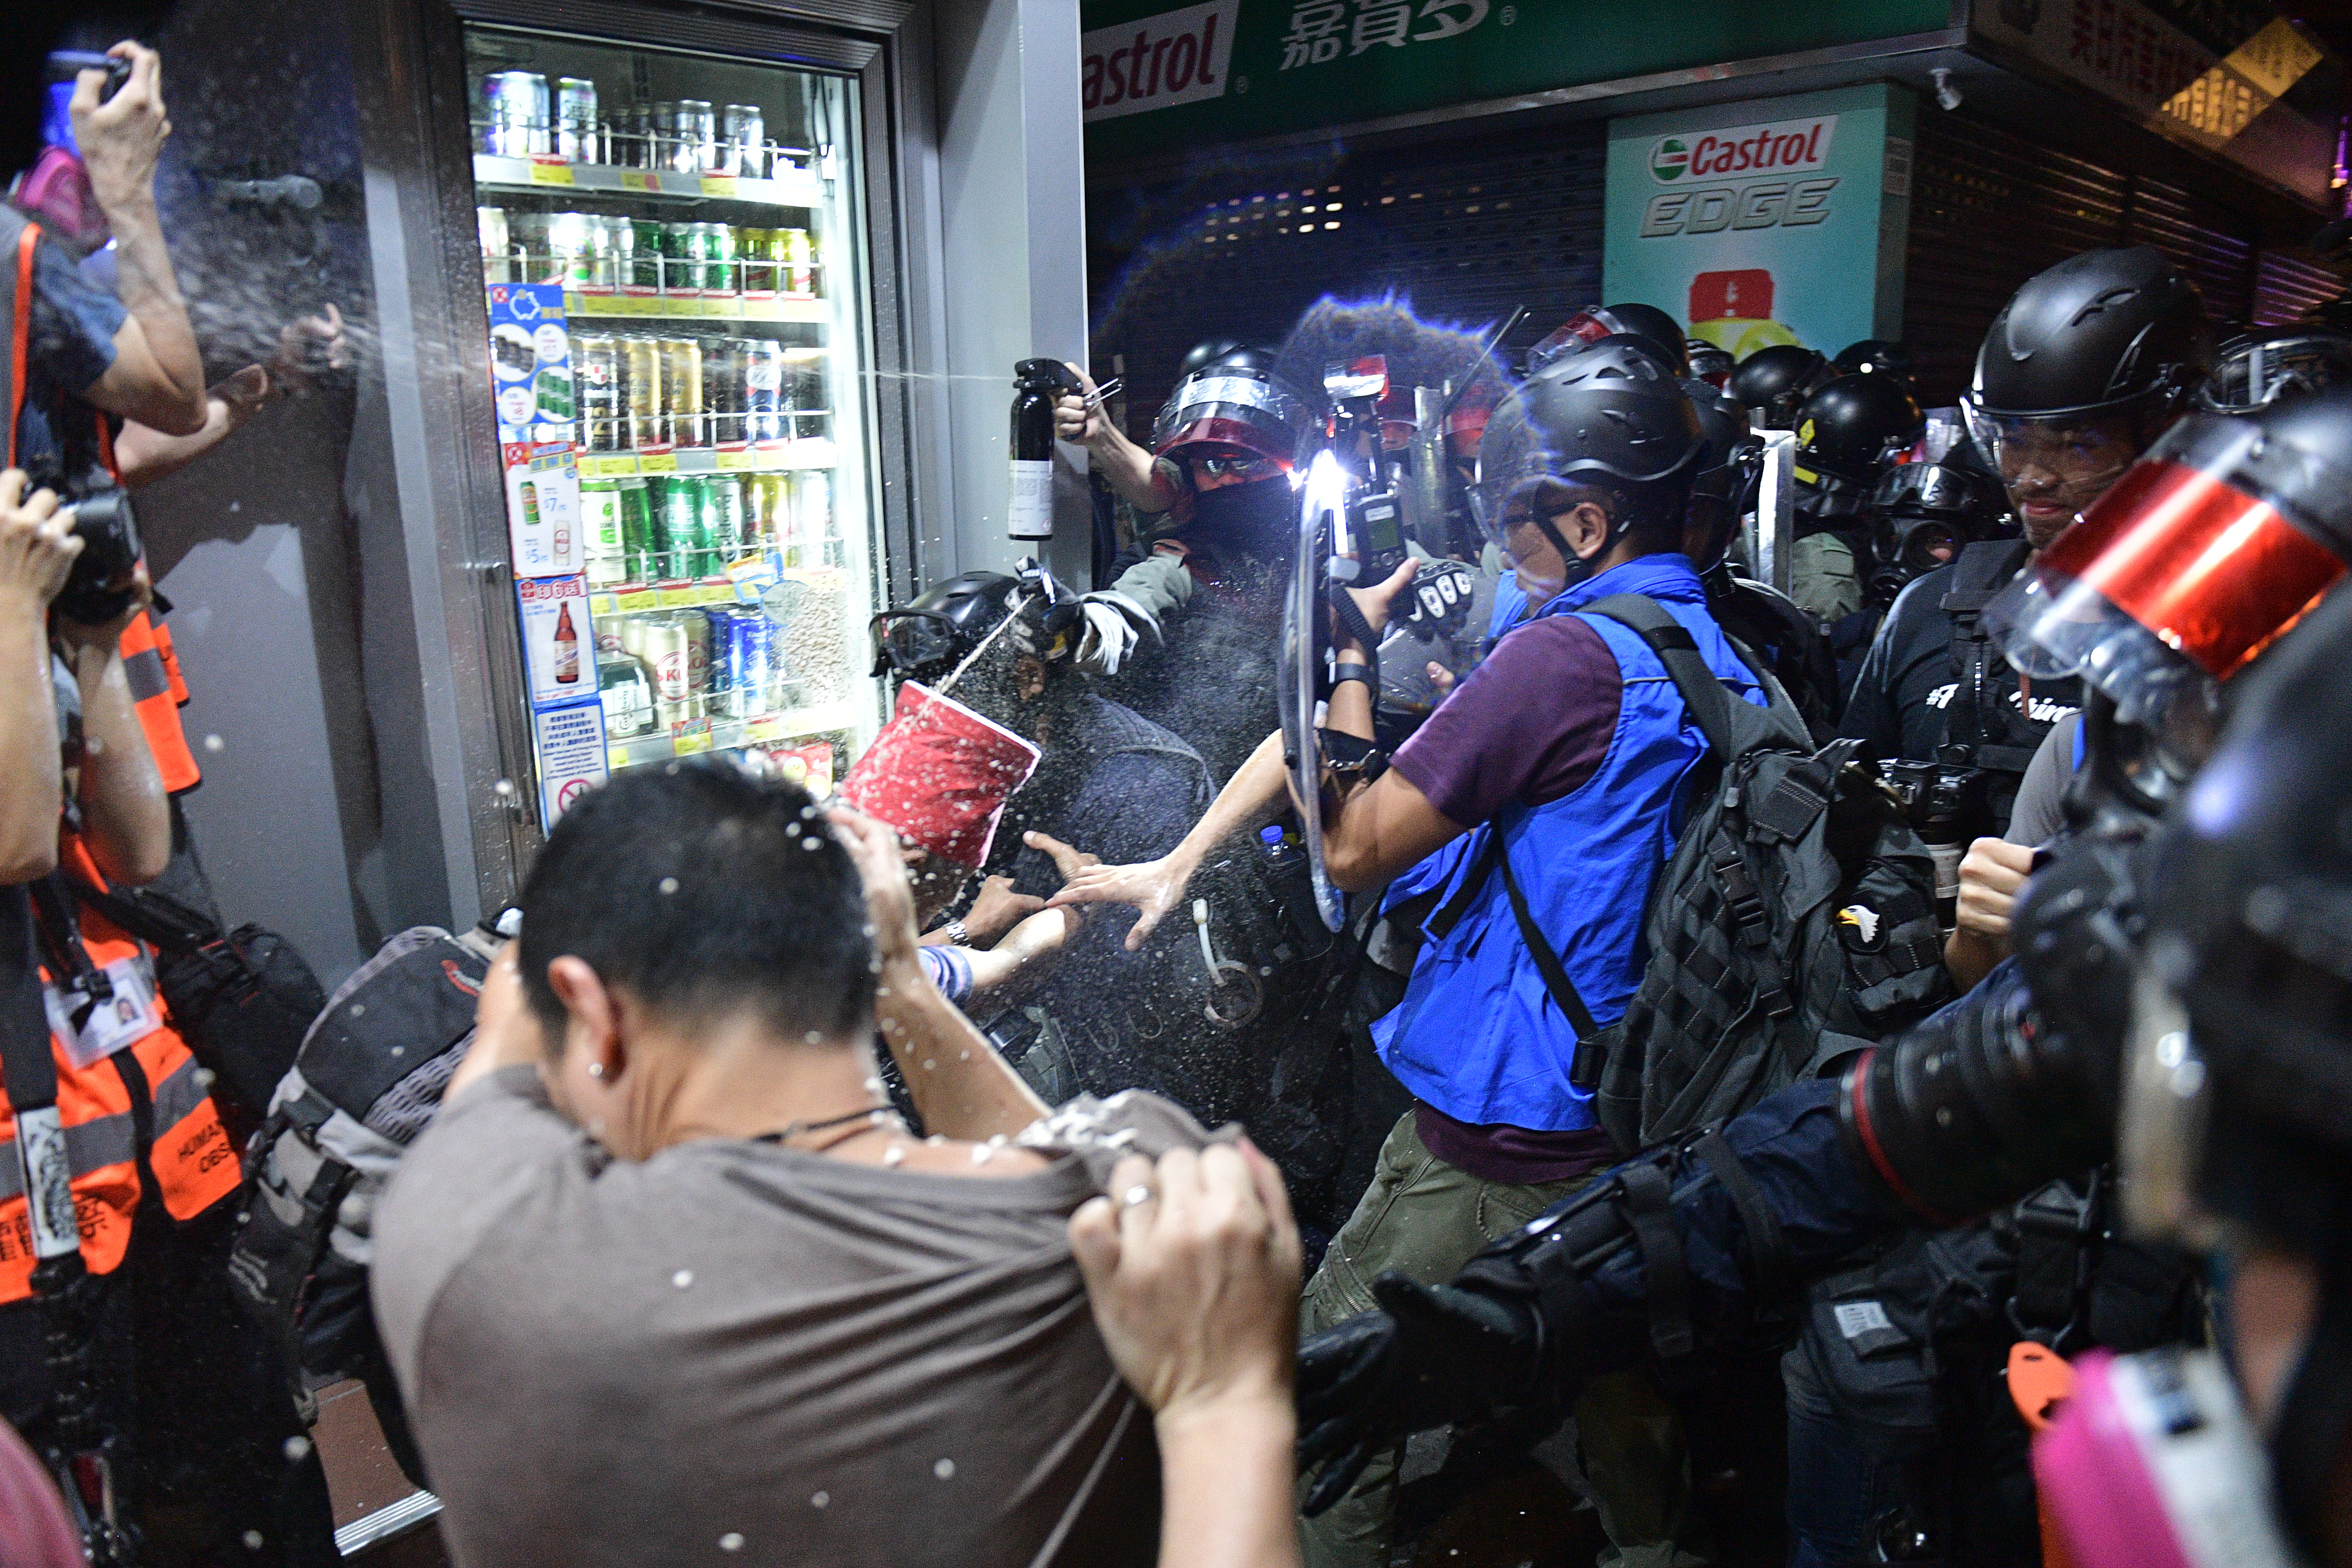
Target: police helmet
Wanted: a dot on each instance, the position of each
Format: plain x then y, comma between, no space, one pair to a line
931,635
1849,430
1234,399
1611,416
1874,356
2255,367
1207,352
1594,322
2103,334
1776,381
1710,364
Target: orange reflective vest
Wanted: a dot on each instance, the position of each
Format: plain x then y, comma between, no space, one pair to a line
155,1080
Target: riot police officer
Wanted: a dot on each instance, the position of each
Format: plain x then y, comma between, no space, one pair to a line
1773,383
1847,434
2064,398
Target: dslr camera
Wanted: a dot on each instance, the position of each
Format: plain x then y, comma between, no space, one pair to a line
107,527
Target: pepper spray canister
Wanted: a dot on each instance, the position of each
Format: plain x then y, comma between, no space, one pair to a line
1037,384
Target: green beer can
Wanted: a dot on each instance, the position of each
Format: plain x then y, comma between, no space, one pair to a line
678,531
723,509
637,530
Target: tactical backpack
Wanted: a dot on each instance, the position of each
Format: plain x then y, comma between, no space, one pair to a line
367,1080
1795,923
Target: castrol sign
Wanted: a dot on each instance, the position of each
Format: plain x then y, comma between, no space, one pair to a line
1782,147
1176,57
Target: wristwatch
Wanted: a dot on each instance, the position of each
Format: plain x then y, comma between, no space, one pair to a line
957,935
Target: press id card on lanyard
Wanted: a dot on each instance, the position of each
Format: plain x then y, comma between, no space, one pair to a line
128,1016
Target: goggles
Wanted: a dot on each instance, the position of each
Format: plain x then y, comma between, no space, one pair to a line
911,641
2188,567
1244,466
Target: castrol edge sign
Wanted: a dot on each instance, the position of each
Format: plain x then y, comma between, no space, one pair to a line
1157,62
1778,220
1783,147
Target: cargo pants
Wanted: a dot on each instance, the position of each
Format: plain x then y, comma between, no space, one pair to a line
1425,1219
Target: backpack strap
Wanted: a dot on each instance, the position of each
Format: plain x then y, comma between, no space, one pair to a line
1714,707
1584,1067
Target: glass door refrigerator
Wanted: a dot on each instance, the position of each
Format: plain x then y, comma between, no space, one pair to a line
673,262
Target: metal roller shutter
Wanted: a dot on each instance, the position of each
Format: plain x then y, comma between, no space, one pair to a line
1468,231
2287,285
2214,246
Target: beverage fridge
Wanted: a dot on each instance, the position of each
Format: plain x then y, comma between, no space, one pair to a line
647,275
673,270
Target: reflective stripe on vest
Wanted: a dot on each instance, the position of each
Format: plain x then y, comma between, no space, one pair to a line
146,663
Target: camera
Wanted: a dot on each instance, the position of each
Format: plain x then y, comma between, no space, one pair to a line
1947,807
65,65
107,527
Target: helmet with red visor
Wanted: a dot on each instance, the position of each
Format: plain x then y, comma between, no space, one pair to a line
1235,402
2194,562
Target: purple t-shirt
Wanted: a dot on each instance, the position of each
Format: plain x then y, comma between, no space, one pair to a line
1530,725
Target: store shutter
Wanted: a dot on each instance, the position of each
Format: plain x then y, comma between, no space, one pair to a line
2287,285
2213,246
1467,231
1988,210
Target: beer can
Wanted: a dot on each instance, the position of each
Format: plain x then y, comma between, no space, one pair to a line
722,509
677,526
666,654
645,253
596,373
696,628
576,119
637,536
662,119
641,391
632,635
763,511
806,380
722,390
797,252
759,266
678,269
698,136
750,637
682,392
743,135
516,106
763,389
719,272
813,515
600,525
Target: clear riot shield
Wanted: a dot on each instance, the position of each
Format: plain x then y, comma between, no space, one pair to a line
1322,517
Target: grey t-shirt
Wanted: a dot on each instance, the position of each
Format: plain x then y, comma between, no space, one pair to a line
738,1352
2040,813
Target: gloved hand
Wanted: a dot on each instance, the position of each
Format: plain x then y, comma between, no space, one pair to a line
1430,1356
1114,624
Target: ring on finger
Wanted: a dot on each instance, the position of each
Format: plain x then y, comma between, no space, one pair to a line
1137,1195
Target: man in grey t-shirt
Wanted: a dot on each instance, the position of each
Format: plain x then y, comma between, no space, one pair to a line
667,1282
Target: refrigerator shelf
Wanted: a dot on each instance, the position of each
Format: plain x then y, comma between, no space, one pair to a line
816,452
494,172
693,735
696,308
637,597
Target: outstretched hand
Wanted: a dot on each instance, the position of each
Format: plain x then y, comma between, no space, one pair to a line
1153,887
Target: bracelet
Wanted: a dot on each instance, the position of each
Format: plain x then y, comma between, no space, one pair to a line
957,935
1343,673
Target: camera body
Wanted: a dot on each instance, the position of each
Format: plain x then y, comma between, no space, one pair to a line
108,526
1944,804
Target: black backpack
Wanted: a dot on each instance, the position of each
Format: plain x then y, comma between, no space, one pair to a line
367,1080
1794,925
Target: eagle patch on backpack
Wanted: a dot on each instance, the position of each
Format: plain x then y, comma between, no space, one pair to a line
367,1080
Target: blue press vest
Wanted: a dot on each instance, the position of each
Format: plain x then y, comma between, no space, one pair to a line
1477,1036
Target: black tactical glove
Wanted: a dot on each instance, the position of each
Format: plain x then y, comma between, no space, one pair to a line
1432,1356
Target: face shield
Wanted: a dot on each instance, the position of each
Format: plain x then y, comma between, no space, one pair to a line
910,642
2186,569
2054,466
1232,410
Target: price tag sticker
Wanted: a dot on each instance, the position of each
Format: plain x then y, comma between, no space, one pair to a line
688,736
734,462
645,180
658,463
551,171
719,186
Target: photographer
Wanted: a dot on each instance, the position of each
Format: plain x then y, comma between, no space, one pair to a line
2014,1085
2086,367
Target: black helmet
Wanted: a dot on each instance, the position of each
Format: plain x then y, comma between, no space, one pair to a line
2107,331
1595,322
1710,364
2255,367
1848,430
1874,356
1234,399
1208,352
1730,468
1777,381
1609,416
930,635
